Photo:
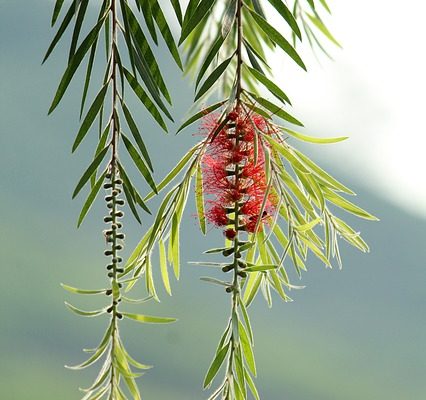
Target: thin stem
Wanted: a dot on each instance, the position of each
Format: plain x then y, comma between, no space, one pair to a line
115,183
239,51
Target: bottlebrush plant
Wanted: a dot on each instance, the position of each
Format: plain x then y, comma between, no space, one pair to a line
118,26
273,203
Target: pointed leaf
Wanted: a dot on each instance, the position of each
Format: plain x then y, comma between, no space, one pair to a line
213,77
148,319
75,63
140,164
274,35
90,117
89,171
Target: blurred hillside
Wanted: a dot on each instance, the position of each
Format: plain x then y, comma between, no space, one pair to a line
349,335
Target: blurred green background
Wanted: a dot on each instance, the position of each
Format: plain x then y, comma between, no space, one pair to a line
352,334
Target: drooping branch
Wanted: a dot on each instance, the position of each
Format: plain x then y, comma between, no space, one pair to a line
120,25
273,203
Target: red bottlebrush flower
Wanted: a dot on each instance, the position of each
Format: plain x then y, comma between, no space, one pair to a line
231,174
217,215
230,234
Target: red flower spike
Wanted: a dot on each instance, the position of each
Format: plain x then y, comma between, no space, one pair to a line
233,149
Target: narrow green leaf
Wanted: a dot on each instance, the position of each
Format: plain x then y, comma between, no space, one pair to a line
85,313
274,35
132,190
75,62
271,86
175,171
165,31
247,349
320,25
215,365
89,171
88,76
252,386
148,319
213,77
200,114
283,10
178,10
145,7
215,281
146,101
163,267
136,135
129,195
90,117
209,58
62,28
328,179
308,226
346,205
81,291
287,153
263,267
311,139
139,162
199,199
77,26
276,110
89,201
229,17
57,10
199,13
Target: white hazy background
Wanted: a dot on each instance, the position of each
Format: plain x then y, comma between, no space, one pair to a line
374,91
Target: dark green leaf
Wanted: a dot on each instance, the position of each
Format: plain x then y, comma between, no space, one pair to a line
132,190
146,101
75,62
129,198
200,114
212,78
90,199
271,86
136,135
274,35
139,162
209,59
276,110
145,6
62,28
90,117
77,27
199,13
283,10
148,61
178,10
57,10
165,31
89,171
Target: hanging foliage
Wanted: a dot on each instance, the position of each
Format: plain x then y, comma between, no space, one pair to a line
274,205
125,41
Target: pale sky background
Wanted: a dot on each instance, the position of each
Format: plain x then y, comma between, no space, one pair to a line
373,92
